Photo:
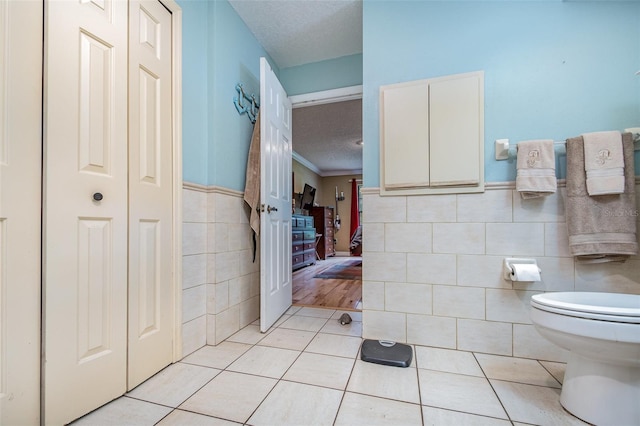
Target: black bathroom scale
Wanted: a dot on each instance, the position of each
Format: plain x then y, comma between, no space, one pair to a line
386,353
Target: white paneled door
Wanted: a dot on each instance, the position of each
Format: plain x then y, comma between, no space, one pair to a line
107,224
20,173
275,195
150,191
85,206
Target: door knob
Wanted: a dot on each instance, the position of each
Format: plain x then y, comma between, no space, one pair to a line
271,209
97,196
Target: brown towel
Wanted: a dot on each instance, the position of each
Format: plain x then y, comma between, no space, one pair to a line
536,169
252,182
601,228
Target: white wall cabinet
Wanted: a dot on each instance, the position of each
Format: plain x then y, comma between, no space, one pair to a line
432,135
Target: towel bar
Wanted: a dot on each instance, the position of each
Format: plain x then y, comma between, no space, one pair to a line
504,149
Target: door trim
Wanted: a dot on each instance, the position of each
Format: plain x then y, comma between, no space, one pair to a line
326,96
320,98
176,38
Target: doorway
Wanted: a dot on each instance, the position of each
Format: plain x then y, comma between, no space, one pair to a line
327,144
335,283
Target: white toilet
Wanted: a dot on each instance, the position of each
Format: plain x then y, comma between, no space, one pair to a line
601,331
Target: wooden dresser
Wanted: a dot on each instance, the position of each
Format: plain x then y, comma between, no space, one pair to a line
303,241
324,219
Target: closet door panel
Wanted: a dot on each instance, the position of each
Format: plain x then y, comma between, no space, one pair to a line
96,104
85,206
151,302
454,134
20,206
404,133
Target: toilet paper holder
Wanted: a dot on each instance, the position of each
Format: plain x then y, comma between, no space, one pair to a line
509,271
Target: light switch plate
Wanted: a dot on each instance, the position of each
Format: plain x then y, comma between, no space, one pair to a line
502,149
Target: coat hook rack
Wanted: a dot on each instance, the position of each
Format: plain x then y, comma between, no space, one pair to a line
246,104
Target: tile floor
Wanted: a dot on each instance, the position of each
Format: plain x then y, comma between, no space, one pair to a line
306,370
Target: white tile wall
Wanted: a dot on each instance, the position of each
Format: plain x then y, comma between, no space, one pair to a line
430,330
227,323
509,305
433,264
440,208
481,271
373,295
485,336
407,237
194,206
491,206
194,270
458,238
544,209
236,277
556,240
220,281
194,302
227,265
194,238
458,302
413,298
515,239
374,239
194,335
432,269
527,343
220,297
385,325
385,266
384,209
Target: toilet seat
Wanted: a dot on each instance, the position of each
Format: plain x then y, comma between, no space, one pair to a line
613,307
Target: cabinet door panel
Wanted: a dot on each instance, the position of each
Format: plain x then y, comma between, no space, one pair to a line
432,136
404,118
454,131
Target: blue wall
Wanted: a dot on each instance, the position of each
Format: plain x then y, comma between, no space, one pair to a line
323,75
219,51
234,57
552,69
194,91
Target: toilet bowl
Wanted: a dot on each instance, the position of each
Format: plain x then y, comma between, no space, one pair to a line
601,331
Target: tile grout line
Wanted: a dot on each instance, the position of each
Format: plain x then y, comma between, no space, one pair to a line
346,386
550,373
492,388
280,379
415,360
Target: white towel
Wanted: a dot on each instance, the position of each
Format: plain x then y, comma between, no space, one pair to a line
604,163
536,168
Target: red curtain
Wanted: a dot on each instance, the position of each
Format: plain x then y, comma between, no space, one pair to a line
355,217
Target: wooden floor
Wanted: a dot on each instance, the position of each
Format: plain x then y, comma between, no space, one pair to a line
326,293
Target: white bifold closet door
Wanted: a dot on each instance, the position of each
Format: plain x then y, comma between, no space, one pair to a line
20,177
108,306
150,191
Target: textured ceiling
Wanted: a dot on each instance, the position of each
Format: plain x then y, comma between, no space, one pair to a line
327,136
296,32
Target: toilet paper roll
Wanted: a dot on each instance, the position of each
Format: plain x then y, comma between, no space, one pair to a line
525,272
